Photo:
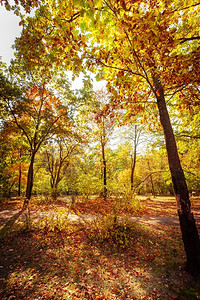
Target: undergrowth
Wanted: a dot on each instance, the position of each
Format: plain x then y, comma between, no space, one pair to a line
109,257
111,229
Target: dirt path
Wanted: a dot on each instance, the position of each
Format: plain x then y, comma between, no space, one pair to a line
10,214
38,264
155,211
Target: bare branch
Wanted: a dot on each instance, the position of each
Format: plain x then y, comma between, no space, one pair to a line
148,177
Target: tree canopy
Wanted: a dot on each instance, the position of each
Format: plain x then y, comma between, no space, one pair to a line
147,51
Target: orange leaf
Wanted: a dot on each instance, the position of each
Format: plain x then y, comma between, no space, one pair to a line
158,93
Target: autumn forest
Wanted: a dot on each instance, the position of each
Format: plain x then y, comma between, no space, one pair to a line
100,151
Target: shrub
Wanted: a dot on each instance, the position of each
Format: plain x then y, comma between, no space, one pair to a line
112,230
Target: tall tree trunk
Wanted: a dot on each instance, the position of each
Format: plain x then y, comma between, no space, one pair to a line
133,162
20,176
187,222
103,139
104,172
19,181
151,179
29,184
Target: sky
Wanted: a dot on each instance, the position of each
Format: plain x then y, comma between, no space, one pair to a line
9,30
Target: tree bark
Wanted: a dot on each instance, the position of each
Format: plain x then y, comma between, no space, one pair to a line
29,184
20,176
19,181
133,162
151,179
104,173
103,139
187,222
55,180
54,193
55,167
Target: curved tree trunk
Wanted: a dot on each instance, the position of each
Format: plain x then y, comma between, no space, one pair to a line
151,179
187,222
133,162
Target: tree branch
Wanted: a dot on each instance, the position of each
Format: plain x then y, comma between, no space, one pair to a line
183,40
189,136
117,68
148,177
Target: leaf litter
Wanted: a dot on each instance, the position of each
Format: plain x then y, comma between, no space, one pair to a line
122,260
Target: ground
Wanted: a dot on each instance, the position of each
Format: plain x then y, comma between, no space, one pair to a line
94,250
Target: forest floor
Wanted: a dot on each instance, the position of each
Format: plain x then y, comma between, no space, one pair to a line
94,249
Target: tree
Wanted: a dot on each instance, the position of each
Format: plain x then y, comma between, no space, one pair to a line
133,134
120,170
59,154
38,115
13,147
153,174
14,153
187,133
104,126
88,180
148,63
147,52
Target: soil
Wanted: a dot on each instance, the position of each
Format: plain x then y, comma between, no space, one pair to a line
154,211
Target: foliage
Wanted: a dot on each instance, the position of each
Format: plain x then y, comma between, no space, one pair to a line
67,260
14,162
148,52
104,37
188,133
109,229
56,220
130,39
59,156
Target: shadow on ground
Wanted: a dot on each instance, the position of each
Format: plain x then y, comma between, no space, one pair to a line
77,262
